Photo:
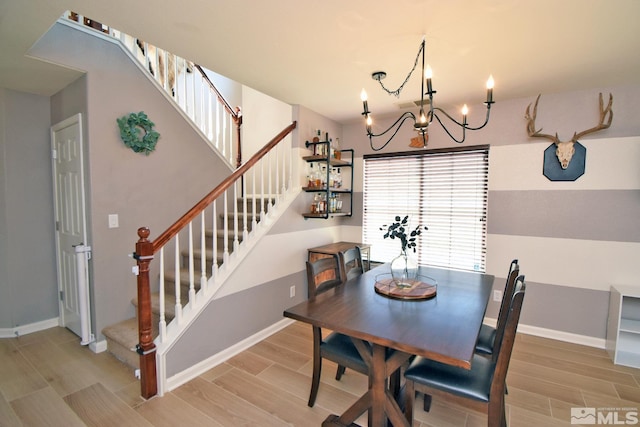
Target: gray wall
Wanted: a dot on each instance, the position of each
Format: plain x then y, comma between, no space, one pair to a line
28,286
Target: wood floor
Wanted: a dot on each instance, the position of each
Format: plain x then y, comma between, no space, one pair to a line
48,379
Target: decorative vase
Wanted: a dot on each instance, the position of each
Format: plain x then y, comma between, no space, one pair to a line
404,270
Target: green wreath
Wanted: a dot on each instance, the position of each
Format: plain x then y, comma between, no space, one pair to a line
131,127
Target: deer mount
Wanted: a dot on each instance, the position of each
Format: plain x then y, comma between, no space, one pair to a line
558,156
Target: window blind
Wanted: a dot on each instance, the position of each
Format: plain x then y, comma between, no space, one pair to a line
445,190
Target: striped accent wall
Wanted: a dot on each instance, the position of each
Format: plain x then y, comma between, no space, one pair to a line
573,239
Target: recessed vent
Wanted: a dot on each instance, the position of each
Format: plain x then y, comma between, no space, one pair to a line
412,104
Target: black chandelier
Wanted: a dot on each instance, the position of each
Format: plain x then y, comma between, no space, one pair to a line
422,122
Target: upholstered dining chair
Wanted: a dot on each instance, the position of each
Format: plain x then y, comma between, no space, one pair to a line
483,386
486,338
335,347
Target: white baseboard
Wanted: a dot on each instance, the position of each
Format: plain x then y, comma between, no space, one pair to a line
28,329
98,346
556,335
226,354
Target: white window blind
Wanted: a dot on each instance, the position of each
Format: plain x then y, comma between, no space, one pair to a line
445,190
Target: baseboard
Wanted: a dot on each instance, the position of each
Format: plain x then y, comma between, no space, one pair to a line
215,360
556,335
28,329
98,346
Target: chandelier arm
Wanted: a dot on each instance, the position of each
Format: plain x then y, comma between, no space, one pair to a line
464,125
486,119
464,135
397,124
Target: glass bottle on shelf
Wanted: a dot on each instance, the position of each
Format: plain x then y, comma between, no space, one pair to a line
311,179
316,178
322,204
317,147
336,149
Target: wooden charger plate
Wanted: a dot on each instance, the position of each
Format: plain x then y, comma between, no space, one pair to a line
422,287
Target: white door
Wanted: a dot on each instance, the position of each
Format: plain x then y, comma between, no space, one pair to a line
70,222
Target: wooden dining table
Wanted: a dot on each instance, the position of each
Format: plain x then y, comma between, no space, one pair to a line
444,328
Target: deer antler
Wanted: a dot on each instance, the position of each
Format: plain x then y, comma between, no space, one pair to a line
565,150
531,124
603,116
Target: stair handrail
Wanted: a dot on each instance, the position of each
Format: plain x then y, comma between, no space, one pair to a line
191,214
146,249
236,114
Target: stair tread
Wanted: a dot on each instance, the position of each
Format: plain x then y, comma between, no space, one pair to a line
124,332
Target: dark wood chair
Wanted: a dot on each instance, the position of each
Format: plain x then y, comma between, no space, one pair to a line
335,347
486,338
483,386
351,263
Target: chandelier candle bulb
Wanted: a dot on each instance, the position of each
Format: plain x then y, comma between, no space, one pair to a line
428,74
465,111
363,97
490,90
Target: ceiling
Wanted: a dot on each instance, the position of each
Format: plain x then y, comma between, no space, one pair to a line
321,53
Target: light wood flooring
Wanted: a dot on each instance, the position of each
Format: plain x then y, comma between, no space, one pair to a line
48,379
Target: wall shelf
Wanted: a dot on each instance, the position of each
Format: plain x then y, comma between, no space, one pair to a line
327,209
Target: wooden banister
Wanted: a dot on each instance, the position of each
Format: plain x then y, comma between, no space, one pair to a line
223,101
162,239
235,114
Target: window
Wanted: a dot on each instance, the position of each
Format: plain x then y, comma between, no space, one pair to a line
446,190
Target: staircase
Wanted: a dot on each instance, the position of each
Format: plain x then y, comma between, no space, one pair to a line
213,229
122,337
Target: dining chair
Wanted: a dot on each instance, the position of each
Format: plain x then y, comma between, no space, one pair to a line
483,386
486,338
351,263
323,274
336,347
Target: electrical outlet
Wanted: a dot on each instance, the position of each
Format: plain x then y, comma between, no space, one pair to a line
292,291
497,295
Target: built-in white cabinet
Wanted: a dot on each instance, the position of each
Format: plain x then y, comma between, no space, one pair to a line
623,327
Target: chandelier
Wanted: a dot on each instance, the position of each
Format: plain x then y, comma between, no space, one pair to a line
424,119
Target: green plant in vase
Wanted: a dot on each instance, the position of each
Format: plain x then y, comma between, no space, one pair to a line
404,268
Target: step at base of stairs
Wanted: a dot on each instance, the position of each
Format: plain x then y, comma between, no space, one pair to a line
121,338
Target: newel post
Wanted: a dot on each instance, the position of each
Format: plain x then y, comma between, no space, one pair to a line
146,348
238,120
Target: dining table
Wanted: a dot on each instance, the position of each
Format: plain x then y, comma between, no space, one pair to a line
443,327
